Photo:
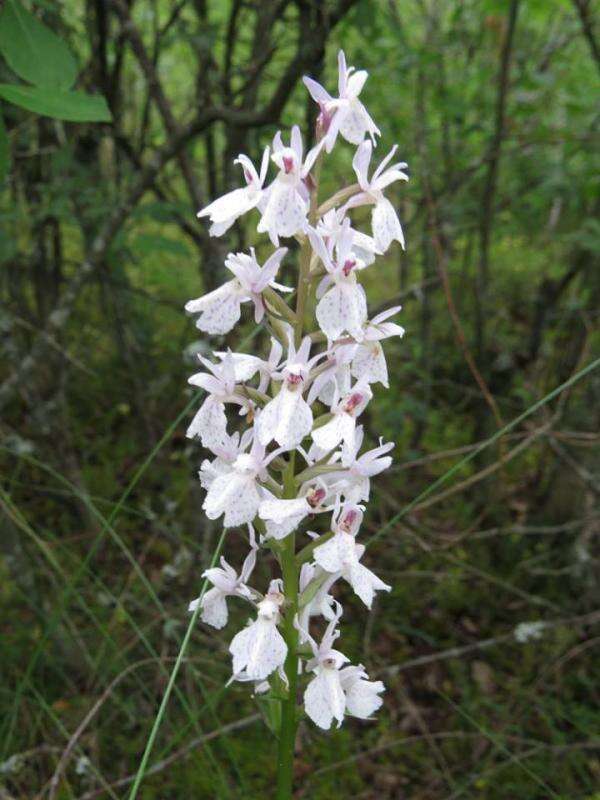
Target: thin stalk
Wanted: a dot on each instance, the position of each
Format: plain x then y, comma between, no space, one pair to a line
287,555
287,732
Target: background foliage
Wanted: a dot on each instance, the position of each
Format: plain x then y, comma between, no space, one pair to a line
493,104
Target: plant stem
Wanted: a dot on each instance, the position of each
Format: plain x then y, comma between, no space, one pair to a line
287,557
287,732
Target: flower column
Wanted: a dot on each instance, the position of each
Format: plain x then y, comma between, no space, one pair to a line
303,406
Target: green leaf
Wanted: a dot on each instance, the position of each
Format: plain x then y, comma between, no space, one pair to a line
69,106
33,51
4,150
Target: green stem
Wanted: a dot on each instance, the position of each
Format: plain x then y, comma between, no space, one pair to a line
287,732
287,556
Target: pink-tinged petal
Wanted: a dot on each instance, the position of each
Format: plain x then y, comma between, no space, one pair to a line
318,245
369,364
277,143
317,92
356,82
386,225
360,163
332,132
270,269
384,163
248,169
365,583
324,700
390,176
311,157
383,315
342,73
264,165
214,609
352,124
296,143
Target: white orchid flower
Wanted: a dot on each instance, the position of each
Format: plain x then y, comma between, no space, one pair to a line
384,219
341,555
362,695
342,426
246,365
288,418
345,114
221,309
283,516
356,485
259,649
342,305
331,227
226,583
210,422
324,698
224,211
368,360
287,198
237,492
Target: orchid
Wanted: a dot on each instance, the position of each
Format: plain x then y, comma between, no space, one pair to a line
341,554
342,425
287,455
226,583
346,114
259,649
368,359
224,211
287,198
288,418
343,307
385,222
221,309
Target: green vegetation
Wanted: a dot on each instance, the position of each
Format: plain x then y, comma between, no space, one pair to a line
493,104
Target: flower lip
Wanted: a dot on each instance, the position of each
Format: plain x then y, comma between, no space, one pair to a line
316,496
348,520
294,378
349,265
353,402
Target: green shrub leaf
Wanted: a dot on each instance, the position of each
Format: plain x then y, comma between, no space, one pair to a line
33,51
68,106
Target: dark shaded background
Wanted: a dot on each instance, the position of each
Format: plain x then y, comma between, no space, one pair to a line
494,106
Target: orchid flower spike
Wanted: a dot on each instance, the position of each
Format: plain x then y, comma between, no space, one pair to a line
261,413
